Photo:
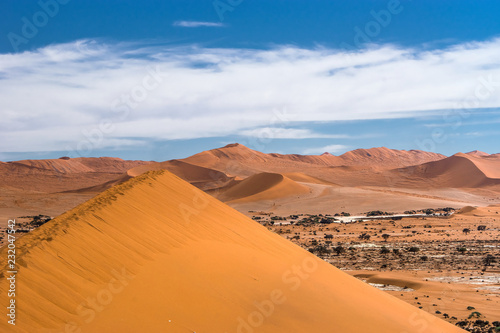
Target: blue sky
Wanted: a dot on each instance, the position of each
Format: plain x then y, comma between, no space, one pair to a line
156,80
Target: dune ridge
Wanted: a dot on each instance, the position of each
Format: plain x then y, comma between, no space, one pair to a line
79,165
202,177
236,159
262,186
457,171
186,262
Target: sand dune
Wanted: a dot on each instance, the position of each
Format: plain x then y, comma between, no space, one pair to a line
78,165
457,171
51,187
385,158
262,186
236,159
64,174
490,211
477,153
155,254
303,178
201,177
100,187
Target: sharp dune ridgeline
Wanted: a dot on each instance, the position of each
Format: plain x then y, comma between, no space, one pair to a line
156,254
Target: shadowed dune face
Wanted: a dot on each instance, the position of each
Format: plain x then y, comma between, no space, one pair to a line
51,187
155,254
262,186
57,175
457,171
79,165
202,177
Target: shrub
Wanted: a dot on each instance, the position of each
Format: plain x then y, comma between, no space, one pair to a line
475,314
384,250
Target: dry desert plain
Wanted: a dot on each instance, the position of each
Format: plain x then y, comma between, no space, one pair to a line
188,262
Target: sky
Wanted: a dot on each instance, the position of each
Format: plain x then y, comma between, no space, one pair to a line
156,80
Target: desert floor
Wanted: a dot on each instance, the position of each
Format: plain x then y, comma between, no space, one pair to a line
428,262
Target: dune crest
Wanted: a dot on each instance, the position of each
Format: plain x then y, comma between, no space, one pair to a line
262,186
457,171
236,159
155,254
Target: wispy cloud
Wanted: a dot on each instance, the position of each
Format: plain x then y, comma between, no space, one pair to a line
197,24
464,123
332,149
55,96
289,133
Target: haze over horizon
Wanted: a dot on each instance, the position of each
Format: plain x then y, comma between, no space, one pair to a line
180,79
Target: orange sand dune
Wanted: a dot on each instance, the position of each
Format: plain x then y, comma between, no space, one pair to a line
457,171
490,211
101,187
262,186
490,167
384,158
81,164
236,159
303,178
477,153
379,158
201,177
59,175
155,254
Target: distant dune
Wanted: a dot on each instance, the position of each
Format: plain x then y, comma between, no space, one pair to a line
457,171
78,165
301,177
262,186
490,211
375,178
202,177
64,174
237,159
155,254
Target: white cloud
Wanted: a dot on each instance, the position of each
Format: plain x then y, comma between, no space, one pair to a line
55,96
196,24
289,133
455,122
332,149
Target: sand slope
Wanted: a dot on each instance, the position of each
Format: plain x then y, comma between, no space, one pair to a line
57,175
490,211
385,158
457,171
155,254
262,186
201,177
78,165
303,178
